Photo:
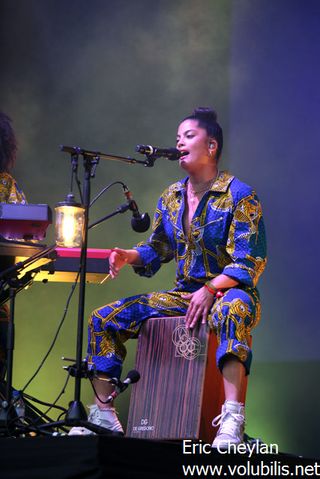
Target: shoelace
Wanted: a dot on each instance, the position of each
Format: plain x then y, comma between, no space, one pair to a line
230,422
95,416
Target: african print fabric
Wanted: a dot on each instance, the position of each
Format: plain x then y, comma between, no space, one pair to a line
9,193
9,190
226,236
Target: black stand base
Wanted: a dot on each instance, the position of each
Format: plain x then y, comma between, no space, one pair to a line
94,428
11,425
76,412
8,417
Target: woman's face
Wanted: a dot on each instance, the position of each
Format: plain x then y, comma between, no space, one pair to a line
194,142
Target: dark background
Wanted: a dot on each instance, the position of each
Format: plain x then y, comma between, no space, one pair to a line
108,74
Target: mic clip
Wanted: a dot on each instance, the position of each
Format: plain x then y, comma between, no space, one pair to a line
84,371
149,160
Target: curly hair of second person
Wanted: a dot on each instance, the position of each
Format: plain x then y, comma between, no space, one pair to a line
8,143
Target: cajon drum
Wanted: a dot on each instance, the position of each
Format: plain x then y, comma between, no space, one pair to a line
181,388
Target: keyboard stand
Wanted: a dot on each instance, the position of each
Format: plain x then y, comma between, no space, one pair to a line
14,280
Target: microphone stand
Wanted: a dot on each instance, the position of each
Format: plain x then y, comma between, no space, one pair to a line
76,414
76,150
122,209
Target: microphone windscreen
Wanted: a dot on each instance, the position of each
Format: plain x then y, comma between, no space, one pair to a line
140,223
133,375
173,154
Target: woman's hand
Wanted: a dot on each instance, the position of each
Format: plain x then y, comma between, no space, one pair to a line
120,257
200,304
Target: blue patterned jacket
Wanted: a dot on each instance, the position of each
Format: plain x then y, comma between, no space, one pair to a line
227,235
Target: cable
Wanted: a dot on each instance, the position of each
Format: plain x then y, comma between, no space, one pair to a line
73,287
95,392
44,403
44,415
74,173
79,187
34,423
106,189
63,390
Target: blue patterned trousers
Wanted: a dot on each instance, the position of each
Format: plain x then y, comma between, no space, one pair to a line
232,317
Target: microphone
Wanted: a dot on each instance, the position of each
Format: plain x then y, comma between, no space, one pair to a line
171,154
139,223
133,376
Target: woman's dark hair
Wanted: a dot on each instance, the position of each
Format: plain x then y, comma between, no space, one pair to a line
207,119
8,144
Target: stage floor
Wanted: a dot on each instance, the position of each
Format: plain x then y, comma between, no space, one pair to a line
109,457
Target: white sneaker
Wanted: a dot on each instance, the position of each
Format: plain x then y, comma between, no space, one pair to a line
106,418
231,422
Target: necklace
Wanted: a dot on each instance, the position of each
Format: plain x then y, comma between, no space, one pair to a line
204,187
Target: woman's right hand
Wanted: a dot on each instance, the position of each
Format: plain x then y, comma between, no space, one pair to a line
119,258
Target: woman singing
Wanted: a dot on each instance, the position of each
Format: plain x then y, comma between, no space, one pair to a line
211,224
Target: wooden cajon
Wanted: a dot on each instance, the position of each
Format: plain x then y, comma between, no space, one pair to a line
181,388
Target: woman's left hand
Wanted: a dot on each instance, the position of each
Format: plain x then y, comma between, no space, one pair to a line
200,304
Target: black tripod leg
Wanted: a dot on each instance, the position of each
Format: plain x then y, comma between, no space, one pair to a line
3,343
7,412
